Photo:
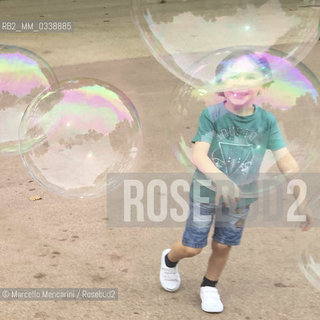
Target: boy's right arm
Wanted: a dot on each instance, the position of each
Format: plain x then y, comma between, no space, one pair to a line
201,160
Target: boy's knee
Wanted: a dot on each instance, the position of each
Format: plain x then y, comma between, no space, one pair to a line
190,252
220,246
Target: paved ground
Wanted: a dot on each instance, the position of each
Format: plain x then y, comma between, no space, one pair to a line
58,242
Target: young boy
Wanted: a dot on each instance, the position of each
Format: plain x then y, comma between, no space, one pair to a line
228,148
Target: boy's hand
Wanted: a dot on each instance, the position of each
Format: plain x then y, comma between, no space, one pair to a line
228,192
306,225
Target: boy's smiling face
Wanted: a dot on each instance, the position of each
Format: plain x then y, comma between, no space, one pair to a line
245,97
244,80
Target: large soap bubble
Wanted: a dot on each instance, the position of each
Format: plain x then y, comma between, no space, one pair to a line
74,133
179,33
307,245
293,102
23,75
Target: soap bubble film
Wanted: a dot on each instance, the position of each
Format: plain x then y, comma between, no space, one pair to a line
307,244
179,33
75,133
293,99
23,75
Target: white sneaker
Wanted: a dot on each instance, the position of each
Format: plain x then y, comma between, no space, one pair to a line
169,277
210,299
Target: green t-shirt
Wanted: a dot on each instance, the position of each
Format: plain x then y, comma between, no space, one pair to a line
237,147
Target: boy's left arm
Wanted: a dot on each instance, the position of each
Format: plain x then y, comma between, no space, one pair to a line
286,162
288,166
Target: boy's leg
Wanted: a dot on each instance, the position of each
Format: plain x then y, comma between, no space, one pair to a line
210,298
180,251
227,233
217,261
194,239
196,232
169,274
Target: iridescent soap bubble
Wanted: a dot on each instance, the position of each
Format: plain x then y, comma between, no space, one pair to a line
179,33
73,134
23,75
292,98
307,245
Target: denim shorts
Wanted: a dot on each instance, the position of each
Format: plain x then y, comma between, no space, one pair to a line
228,227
